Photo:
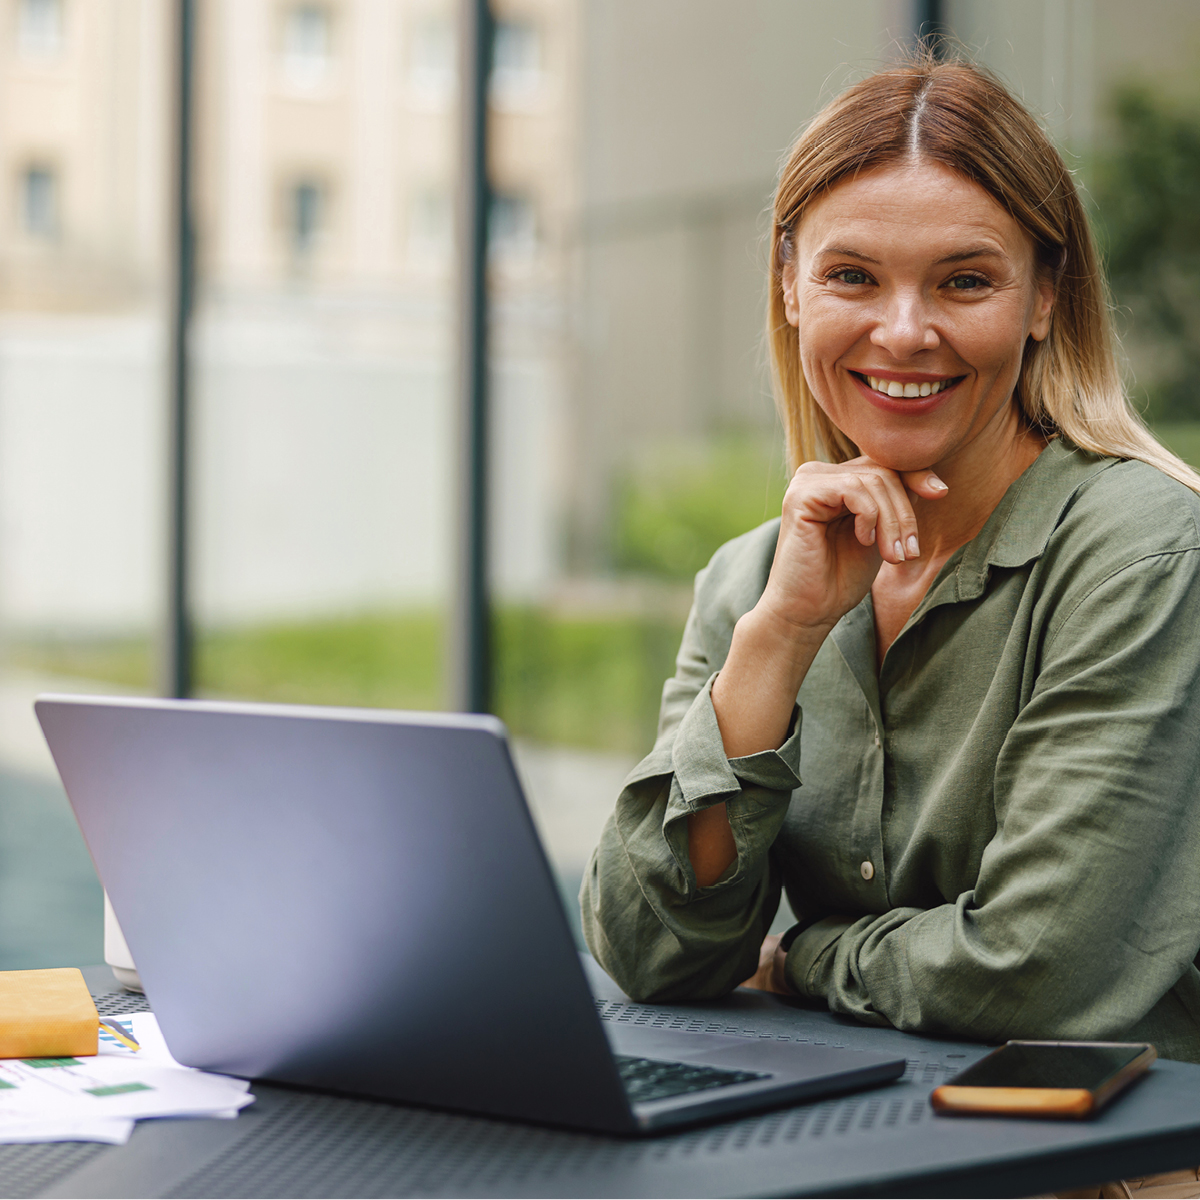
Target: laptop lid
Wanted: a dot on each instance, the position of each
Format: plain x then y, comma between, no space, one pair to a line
344,899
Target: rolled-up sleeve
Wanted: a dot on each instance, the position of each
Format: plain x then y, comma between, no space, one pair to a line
1086,910
656,933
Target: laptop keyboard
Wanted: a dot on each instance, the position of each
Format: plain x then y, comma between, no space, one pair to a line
648,1079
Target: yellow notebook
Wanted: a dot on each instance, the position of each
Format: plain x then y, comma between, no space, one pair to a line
47,1014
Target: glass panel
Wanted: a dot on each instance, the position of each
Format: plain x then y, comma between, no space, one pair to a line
322,346
83,164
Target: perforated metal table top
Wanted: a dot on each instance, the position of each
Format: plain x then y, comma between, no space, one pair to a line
881,1142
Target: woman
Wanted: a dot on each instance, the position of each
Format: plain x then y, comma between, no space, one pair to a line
951,701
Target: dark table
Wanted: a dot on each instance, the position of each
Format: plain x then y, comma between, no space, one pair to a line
881,1142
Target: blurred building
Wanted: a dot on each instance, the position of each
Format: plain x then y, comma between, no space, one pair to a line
634,147
82,90
322,342
327,145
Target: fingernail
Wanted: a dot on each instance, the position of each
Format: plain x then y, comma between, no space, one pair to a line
935,483
899,550
913,548
871,538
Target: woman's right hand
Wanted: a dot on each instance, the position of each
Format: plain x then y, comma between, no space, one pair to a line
840,523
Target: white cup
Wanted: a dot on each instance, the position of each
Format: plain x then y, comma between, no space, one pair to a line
116,952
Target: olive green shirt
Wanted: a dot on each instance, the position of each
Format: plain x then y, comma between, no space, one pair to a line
998,832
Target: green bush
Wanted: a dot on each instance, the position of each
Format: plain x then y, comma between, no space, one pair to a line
1145,184
591,681
679,504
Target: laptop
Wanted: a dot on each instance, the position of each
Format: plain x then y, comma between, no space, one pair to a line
357,901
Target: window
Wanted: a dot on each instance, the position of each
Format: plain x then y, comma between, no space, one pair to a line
516,64
40,27
432,68
306,216
307,45
512,228
39,202
431,225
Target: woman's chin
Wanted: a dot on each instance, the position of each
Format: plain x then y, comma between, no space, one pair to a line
900,458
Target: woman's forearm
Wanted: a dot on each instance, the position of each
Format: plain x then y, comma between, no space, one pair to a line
755,692
753,698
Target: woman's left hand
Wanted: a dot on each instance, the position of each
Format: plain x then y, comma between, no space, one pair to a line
771,959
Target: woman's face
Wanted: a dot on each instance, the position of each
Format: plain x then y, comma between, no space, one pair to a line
914,293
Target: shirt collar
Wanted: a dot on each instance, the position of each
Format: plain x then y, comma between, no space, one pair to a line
1021,524
1017,532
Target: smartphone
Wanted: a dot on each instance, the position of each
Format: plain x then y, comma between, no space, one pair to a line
1045,1079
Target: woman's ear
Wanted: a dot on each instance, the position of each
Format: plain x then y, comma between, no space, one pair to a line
1043,306
791,308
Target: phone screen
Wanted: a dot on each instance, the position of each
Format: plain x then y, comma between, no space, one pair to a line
1025,1066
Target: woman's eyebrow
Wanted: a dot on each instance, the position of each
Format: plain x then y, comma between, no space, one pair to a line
957,256
846,252
974,252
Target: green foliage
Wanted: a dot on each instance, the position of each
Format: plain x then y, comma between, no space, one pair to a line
679,504
1146,183
592,681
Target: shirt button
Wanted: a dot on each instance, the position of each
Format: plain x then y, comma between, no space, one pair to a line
877,739
867,870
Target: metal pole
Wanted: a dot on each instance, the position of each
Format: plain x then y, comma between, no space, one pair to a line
929,25
470,624
176,651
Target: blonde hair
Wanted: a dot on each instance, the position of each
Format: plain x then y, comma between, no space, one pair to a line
956,114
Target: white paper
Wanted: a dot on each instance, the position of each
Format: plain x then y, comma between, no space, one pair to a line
152,1046
52,1129
98,1098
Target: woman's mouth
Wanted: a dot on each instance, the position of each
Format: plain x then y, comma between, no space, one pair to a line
896,390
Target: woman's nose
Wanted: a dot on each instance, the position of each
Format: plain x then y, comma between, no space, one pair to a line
905,327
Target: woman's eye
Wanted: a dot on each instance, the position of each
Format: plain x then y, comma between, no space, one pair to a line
850,275
967,283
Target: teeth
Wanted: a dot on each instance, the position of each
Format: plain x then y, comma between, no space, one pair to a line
889,387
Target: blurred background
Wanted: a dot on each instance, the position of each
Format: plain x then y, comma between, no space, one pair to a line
632,148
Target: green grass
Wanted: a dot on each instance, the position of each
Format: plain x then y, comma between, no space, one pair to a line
592,681
378,660
125,662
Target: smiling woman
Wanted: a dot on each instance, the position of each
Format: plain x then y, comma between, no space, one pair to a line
945,304
972,632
